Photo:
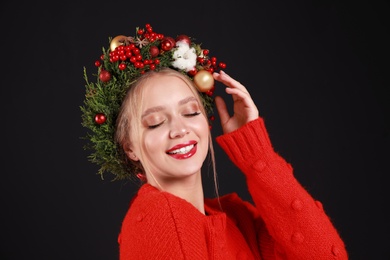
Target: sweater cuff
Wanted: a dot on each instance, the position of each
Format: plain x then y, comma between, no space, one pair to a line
247,144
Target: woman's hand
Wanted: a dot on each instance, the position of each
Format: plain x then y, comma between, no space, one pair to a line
244,109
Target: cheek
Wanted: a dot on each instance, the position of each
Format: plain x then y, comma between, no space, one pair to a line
202,127
152,140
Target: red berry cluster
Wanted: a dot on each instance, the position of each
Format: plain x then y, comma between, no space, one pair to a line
207,64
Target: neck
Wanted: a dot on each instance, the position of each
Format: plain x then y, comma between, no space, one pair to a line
193,194
189,189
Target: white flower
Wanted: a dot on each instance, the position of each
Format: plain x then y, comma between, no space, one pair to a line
185,57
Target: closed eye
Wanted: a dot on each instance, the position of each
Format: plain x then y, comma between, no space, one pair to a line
155,126
192,114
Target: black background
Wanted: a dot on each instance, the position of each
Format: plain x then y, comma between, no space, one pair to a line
318,71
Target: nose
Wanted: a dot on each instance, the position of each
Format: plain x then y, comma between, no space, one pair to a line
178,129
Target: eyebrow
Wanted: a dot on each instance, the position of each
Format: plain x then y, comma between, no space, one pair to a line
159,108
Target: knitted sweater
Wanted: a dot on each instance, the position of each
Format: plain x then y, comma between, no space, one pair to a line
284,222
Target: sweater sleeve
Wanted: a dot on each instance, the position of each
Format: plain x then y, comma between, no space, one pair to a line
155,227
297,224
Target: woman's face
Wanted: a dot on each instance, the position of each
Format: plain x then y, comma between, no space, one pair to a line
175,134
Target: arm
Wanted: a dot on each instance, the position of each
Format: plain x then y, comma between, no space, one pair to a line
295,221
297,224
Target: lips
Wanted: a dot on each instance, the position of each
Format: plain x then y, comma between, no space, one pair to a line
183,151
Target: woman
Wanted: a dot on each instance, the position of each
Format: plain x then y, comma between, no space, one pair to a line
163,131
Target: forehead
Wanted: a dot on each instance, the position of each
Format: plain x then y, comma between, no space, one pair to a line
166,87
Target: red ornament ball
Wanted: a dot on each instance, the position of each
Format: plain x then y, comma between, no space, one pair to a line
154,51
168,43
100,118
184,38
104,75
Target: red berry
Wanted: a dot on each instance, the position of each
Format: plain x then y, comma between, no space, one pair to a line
211,70
209,93
192,72
222,65
122,66
152,36
115,58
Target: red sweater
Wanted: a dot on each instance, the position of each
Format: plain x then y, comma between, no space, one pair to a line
285,222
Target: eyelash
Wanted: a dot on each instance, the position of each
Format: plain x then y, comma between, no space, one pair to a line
154,126
192,114
187,115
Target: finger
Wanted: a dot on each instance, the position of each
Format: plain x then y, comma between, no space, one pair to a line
228,81
235,89
222,110
238,94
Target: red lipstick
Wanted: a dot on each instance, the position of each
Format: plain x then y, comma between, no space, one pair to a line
186,155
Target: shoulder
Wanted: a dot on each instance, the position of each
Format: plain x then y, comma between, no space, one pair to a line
147,222
148,207
155,221
154,212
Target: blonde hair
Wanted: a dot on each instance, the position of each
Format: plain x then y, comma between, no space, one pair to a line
129,119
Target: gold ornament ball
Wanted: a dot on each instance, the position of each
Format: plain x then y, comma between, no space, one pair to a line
204,80
117,41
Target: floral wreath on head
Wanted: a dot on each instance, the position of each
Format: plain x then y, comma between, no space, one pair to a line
126,59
